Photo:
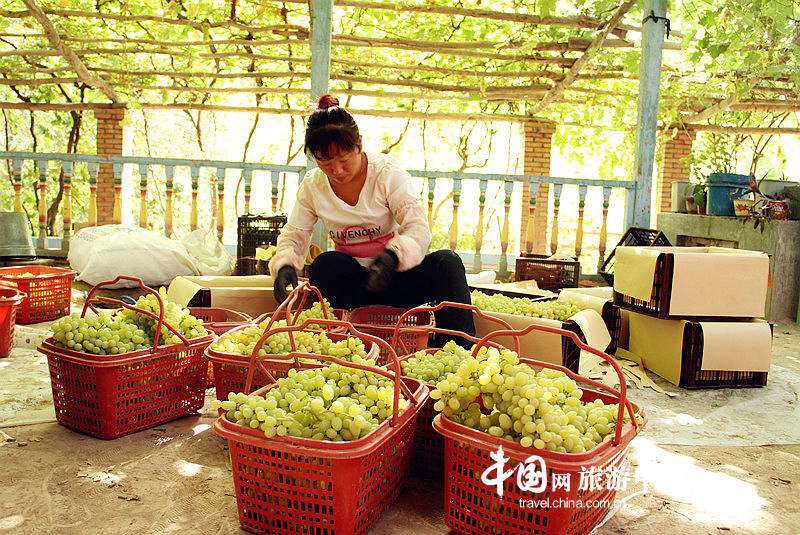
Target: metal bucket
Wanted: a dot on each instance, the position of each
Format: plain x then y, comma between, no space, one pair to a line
15,236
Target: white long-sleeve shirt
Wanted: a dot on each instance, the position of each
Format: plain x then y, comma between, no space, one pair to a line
388,214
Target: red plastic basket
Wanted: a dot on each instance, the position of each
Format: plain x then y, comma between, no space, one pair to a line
9,301
219,321
381,321
288,485
109,396
428,461
475,507
47,292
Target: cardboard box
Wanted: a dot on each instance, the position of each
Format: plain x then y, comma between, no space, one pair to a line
546,346
251,295
684,282
701,354
600,299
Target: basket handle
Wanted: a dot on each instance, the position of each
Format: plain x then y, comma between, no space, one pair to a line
622,394
394,362
160,318
303,291
18,298
398,329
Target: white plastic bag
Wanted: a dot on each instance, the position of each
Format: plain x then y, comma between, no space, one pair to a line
100,254
210,254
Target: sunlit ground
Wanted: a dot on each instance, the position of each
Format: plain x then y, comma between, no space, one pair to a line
719,499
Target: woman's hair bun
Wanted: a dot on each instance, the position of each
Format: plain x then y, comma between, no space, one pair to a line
327,101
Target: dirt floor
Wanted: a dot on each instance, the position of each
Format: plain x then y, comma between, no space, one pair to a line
176,478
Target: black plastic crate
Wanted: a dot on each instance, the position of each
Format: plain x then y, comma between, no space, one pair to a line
255,230
548,274
634,236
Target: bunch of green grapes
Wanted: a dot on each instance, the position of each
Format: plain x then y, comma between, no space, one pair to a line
174,315
523,306
243,342
106,334
125,330
315,311
334,403
499,395
430,367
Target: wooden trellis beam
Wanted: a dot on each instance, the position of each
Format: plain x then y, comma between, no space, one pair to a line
576,67
72,58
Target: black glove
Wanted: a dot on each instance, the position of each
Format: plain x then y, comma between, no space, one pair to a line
286,276
380,273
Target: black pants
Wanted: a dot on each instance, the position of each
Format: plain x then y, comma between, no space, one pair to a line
439,277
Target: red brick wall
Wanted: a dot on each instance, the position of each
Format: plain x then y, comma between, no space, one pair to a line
538,140
672,168
113,139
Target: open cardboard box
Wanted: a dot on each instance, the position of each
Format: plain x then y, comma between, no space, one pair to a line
600,299
691,281
251,294
545,346
701,354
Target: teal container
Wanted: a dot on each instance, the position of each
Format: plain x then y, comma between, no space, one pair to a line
728,179
721,196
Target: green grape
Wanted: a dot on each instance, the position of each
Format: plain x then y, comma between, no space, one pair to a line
301,405
523,306
542,410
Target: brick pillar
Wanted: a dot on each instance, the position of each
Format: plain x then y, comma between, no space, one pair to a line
672,168
113,139
538,142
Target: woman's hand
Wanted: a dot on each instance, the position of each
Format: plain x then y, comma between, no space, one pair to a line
380,273
286,276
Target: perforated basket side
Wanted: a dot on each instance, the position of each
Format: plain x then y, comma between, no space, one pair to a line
112,398
319,487
381,321
47,291
474,507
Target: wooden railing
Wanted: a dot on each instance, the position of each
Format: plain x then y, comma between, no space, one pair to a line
70,162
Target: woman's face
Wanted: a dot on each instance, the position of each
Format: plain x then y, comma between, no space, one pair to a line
341,166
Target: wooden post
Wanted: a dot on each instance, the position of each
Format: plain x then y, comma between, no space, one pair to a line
601,248
579,234
502,265
93,168
477,263
41,165
454,223
321,29
556,205
220,202
653,27
16,178
169,174
431,188
195,174
530,231
143,195
116,218
66,210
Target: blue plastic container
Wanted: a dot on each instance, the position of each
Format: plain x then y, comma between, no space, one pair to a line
729,179
719,200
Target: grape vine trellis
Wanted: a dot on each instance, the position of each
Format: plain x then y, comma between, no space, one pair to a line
729,68
574,63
